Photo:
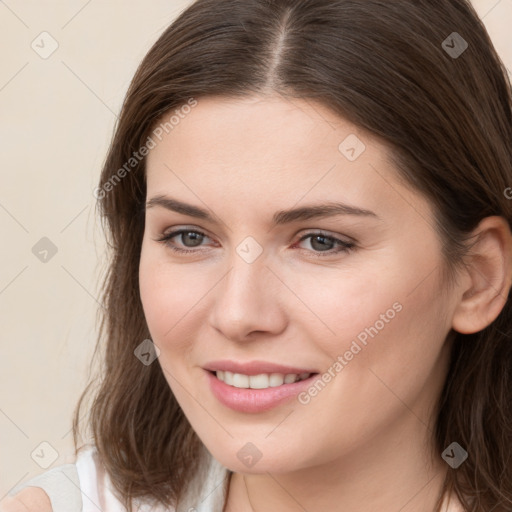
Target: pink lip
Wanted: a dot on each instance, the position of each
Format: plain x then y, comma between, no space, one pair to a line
254,367
255,400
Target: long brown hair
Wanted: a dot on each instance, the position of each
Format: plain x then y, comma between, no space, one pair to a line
442,104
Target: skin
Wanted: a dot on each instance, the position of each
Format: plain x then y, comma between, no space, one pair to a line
365,439
31,499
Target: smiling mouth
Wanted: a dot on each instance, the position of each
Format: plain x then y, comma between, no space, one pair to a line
260,381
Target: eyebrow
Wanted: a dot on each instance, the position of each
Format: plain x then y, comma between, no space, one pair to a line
321,210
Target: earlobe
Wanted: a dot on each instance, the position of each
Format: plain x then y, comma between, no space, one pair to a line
490,276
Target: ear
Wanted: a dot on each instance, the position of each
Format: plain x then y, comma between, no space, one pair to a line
488,277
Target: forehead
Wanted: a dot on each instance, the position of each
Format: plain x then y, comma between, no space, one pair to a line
278,151
271,128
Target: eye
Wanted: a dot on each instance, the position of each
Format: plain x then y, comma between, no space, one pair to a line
196,238
322,244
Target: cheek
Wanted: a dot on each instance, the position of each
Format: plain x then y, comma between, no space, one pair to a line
341,305
172,297
167,297
386,361
163,306
386,319
390,348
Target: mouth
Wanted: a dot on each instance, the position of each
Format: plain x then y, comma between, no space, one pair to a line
261,380
259,392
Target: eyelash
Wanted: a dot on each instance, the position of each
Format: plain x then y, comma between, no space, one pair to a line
344,247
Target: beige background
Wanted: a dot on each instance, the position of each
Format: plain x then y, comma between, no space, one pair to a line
56,118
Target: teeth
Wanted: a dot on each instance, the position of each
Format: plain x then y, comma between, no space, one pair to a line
275,379
240,381
290,378
261,381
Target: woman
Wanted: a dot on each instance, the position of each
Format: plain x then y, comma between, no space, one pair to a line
307,304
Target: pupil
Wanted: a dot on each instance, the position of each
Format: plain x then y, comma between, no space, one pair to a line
194,236
318,238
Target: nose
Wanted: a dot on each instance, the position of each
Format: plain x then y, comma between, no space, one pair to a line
248,299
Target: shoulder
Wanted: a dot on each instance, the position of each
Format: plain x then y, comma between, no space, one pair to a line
30,499
57,489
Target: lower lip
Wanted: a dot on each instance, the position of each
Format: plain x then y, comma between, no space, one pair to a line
255,400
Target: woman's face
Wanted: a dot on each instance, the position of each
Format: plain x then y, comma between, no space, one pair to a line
369,319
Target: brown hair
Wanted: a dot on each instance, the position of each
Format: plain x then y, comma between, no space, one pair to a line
392,69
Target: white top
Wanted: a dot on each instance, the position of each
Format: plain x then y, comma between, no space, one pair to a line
85,487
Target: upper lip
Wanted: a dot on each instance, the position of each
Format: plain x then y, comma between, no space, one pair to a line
254,367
